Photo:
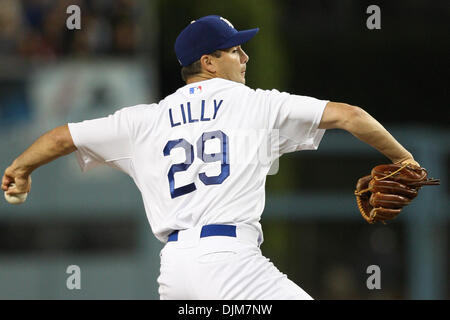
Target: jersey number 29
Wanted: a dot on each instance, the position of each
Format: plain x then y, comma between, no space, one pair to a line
208,158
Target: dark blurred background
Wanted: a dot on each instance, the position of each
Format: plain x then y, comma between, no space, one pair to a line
123,55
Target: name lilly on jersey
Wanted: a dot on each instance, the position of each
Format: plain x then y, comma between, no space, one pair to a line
183,114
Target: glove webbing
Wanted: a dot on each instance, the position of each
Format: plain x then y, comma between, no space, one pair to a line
387,176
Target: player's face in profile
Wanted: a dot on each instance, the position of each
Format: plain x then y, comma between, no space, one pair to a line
232,64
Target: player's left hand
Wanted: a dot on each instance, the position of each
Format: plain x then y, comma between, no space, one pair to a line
410,161
381,195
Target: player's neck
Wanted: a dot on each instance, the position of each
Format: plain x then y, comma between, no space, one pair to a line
200,77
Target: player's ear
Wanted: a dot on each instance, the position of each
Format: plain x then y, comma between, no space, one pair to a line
208,63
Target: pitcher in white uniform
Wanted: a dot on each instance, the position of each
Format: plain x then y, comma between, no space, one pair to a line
200,158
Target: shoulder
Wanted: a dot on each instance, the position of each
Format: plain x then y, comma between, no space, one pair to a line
273,93
240,90
137,117
267,96
140,108
259,91
137,111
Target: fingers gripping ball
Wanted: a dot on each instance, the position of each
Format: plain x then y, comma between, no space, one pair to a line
381,195
16,198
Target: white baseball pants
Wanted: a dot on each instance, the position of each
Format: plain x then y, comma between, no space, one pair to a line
222,268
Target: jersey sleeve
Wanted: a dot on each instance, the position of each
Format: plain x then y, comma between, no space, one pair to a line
296,120
103,141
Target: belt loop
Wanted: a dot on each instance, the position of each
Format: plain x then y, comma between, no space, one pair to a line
248,234
189,237
173,236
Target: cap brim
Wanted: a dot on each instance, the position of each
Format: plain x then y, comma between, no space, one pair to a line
239,38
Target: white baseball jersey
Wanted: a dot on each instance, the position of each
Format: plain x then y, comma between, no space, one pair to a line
201,155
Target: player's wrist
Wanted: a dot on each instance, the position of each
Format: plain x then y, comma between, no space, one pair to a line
20,170
404,157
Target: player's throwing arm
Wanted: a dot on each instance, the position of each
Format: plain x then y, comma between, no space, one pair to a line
16,181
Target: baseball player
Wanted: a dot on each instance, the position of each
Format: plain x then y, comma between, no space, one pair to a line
196,158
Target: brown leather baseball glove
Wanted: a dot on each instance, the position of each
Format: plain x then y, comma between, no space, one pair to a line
381,195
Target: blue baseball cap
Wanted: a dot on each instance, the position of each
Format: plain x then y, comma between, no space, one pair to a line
206,35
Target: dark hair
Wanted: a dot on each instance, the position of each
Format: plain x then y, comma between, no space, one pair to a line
196,67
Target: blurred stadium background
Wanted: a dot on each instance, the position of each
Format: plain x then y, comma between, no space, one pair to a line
123,55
